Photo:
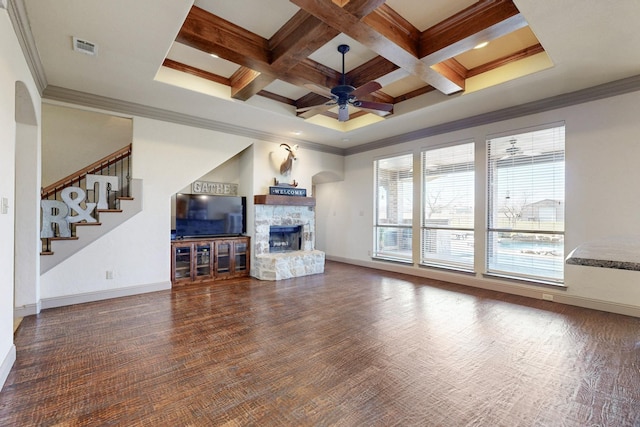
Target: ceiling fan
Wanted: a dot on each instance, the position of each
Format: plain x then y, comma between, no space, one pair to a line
344,95
513,151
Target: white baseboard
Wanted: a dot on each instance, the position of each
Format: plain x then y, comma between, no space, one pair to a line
507,287
102,295
27,310
7,364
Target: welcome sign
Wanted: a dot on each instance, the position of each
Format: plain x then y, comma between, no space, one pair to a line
287,191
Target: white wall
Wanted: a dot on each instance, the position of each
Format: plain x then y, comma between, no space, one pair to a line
13,68
602,200
89,135
27,210
167,157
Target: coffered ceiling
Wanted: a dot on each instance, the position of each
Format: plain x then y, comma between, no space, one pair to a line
276,62
291,57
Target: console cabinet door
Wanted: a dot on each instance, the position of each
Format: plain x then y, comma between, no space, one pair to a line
182,265
223,259
203,261
241,256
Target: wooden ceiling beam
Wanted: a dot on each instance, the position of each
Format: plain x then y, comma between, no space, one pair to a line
402,51
453,70
427,55
209,33
246,83
264,60
481,22
206,32
302,35
179,66
363,8
394,28
370,70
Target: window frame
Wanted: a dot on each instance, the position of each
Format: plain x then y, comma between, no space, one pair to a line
536,241
460,233
399,235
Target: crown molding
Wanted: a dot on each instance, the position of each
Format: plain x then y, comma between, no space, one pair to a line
606,90
22,28
60,94
19,19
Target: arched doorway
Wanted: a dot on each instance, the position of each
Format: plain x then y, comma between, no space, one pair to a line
26,205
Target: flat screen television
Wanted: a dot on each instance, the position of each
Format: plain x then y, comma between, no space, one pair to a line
201,215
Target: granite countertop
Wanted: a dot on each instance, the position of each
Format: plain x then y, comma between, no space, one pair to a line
615,252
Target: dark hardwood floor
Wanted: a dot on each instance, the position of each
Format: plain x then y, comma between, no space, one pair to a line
351,347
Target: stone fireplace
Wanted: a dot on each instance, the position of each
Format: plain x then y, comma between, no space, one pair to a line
281,224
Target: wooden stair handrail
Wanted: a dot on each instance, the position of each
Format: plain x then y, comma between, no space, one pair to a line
93,167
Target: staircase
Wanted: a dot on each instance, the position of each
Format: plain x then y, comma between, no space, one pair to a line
117,205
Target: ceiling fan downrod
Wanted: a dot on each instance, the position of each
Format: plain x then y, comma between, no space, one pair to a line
343,48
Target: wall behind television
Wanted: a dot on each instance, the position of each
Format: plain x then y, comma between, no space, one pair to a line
228,172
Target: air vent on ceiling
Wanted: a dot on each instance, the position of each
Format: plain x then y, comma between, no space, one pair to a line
84,46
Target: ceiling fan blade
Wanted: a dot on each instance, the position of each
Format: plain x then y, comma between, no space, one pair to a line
377,112
343,113
303,109
319,90
370,105
308,112
367,88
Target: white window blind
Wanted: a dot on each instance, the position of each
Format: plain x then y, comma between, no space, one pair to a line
394,208
447,235
525,236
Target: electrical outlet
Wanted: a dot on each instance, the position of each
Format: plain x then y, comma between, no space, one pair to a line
109,274
547,297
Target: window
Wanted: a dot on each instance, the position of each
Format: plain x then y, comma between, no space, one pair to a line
394,208
447,237
525,236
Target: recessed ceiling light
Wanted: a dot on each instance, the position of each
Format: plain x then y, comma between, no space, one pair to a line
481,45
213,55
297,132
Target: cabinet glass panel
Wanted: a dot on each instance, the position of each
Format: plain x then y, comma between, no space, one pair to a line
241,256
224,261
203,259
183,262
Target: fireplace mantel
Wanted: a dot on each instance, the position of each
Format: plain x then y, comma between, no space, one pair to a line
269,199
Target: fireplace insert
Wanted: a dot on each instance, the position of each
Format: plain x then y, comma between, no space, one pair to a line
285,238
